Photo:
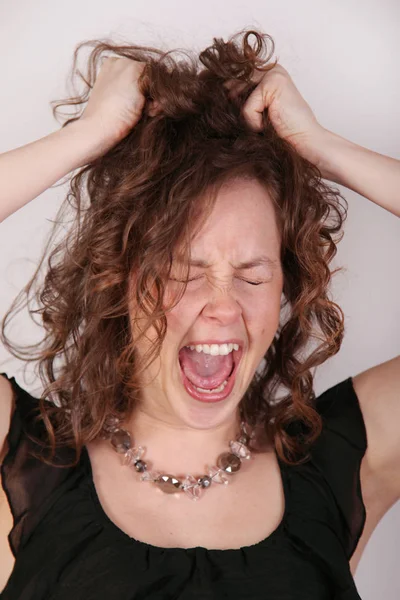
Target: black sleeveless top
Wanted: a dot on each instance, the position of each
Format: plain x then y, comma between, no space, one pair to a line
66,548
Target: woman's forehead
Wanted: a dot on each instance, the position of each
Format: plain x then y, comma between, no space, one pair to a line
241,227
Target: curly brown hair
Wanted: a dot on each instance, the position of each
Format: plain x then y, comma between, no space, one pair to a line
143,199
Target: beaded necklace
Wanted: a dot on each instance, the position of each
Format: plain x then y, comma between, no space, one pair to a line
228,463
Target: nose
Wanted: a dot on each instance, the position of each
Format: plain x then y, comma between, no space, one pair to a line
222,309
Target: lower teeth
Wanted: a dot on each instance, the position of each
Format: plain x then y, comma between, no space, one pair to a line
213,391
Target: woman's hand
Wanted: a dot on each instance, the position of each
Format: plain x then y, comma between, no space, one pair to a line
289,113
116,102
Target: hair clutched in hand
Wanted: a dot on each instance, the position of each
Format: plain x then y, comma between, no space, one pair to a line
144,198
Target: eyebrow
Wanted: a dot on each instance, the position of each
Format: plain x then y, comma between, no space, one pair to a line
255,262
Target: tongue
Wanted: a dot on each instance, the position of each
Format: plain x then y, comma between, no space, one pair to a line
205,370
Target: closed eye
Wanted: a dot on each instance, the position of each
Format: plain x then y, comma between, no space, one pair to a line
252,282
185,280
195,278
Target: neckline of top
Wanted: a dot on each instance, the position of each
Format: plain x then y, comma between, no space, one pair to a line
106,520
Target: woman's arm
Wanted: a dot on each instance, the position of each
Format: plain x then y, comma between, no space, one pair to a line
28,171
115,106
373,175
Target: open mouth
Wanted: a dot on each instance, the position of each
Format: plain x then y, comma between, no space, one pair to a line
209,370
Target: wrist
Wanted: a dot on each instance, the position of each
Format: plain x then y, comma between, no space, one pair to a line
87,140
325,150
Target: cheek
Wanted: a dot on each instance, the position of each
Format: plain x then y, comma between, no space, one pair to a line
263,310
179,319
262,318
174,322
181,311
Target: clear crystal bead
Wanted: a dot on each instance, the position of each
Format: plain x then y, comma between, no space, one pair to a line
243,439
150,476
191,487
218,475
247,430
243,428
240,450
195,492
188,481
138,452
132,455
127,459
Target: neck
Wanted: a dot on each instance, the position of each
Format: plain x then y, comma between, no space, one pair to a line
176,447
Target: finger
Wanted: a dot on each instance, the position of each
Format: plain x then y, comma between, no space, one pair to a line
229,83
237,88
253,109
257,76
154,108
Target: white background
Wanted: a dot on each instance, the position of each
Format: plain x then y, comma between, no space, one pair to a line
343,56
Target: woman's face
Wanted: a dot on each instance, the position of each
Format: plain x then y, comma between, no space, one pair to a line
233,297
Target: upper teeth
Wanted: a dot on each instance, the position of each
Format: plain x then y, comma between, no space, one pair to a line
215,349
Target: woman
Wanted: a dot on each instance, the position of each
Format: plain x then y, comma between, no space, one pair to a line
181,300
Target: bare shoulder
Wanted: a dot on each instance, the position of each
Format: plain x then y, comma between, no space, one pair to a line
378,392
7,403
6,556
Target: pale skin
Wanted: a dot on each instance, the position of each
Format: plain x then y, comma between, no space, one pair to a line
167,419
